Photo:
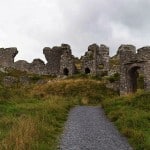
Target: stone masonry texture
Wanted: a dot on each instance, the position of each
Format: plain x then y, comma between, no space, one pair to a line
96,61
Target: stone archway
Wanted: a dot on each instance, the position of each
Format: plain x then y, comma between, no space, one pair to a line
132,64
133,74
66,72
132,77
87,70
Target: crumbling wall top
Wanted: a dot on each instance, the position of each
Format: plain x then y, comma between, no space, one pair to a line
93,47
144,53
10,51
104,47
38,61
38,67
126,53
7,56
125,48
22,65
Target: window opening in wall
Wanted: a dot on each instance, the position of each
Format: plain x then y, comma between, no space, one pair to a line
133,79
66,71
87,71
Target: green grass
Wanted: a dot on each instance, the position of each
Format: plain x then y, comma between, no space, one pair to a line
132,117
33,116
33,124
93,90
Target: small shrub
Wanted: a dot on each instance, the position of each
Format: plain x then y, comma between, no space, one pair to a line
140,82
35,78
114,77
101,66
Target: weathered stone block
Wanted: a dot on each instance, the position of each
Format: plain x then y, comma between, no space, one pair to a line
96,60
53,57
38,67
22,65
9,81
132,64
7,56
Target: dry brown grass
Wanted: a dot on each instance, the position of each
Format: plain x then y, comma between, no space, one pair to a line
21,135
33,117
67,87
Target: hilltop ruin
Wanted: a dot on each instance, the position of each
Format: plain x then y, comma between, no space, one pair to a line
96,61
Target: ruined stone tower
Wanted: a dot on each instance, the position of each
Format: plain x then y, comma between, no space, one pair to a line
7,56
67,64
132,65
60,61
53,57
96,60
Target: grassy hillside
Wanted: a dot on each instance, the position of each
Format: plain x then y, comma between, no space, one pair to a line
132,117
32,116
94,91
33,124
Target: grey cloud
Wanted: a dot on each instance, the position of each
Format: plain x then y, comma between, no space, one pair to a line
33,24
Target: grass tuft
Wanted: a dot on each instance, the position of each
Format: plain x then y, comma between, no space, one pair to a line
21,135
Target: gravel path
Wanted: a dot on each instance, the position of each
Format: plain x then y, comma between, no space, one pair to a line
88,128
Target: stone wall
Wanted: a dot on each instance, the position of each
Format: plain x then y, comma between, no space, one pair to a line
114,65
67,61
7,56
96,60
132,64
53,57
22,65
36,67
104,57
89,61
144,58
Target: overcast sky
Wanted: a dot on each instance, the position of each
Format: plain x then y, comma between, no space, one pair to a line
31,25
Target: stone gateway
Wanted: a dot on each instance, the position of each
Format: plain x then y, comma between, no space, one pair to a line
133,65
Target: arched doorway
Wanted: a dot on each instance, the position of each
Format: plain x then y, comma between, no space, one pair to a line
133,78
87,71
66,71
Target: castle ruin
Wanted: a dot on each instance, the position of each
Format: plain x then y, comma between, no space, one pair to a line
132,65
96,61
